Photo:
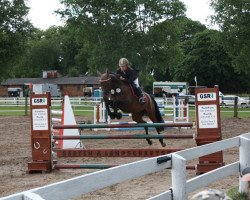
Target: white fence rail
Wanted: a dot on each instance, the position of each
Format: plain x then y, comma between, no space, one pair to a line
78,186
77,103
20,101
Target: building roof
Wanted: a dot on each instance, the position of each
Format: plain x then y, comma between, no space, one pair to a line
85,80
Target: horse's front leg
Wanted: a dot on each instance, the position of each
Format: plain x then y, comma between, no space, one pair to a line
111,114
117,114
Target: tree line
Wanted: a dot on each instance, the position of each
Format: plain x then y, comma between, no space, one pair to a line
155,35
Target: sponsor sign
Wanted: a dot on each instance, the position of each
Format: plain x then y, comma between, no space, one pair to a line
39,101
40,119
211,96
208,116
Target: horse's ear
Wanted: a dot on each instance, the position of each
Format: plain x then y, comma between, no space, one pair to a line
99,73
107,71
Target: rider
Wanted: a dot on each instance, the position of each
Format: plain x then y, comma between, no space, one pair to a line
129,75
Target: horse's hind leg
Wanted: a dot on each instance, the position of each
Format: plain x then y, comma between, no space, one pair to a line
138,118
163,144
146,130
154,120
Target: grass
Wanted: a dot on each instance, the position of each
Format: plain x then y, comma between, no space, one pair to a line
20,110
235,195
12,111
78,111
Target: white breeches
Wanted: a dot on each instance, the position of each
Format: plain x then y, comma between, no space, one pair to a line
136,82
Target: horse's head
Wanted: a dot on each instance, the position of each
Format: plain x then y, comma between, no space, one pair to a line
108,81
110,84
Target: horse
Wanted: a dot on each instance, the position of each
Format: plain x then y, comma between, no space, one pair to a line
119,95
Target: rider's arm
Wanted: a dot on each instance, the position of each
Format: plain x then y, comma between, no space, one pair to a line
132,75
129,77
119,72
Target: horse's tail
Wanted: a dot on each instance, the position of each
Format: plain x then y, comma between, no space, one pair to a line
157,114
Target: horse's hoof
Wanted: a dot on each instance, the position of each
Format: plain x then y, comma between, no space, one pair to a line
112,116
163,144
118,115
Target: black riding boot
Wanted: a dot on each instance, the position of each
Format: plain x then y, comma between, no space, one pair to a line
140,94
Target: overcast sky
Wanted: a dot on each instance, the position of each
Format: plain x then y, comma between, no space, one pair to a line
42,16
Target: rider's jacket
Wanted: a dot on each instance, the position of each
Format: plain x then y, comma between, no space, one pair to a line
130,74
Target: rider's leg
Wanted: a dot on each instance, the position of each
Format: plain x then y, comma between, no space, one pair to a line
141,97
139,91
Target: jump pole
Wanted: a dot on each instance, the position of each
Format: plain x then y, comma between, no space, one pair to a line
97,153
119,136
121,153
91,126
95,166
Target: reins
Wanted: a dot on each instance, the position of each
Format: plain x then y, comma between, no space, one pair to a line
106,80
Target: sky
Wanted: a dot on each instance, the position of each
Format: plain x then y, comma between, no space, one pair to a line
198,10
42,12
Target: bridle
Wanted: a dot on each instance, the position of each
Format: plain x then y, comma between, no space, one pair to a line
112,91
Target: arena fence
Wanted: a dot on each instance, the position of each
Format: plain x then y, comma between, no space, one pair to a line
181,187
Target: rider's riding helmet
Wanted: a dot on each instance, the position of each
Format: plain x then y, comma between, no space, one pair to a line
123,62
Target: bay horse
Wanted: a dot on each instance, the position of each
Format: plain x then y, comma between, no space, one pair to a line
119,95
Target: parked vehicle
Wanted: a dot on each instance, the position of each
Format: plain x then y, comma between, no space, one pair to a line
42,88
14,92
169,88
228,100
191,98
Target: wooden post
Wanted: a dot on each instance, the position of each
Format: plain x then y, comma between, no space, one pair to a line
26,106
208,126
40,133
236,107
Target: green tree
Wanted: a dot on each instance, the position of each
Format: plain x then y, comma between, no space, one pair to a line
57,48
233,17
167,38
112,29
207,59
14,27
73,52
42,52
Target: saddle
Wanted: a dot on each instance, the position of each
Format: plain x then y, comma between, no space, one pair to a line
135,90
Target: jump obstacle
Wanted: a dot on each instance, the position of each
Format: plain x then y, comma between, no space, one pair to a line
66,117
207,131
94,153
179,106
